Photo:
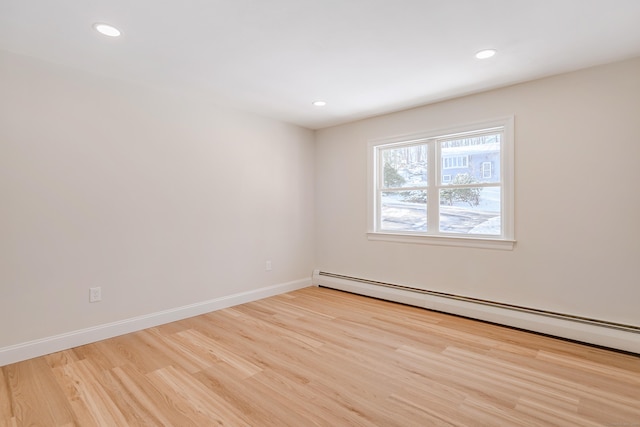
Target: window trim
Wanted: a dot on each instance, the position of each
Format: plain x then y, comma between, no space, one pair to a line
505,242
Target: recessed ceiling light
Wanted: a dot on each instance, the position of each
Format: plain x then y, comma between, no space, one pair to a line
107,30
319,103
484,54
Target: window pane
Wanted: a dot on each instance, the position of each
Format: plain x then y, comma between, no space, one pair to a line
468,210
403,210
470,160
404,166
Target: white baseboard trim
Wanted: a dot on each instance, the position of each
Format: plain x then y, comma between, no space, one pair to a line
626,340
40,347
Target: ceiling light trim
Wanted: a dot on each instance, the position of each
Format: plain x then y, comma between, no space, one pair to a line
107,29
486,53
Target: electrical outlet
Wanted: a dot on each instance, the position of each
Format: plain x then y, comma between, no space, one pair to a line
95,294
268,266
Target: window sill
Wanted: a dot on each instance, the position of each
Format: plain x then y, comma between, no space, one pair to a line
468,242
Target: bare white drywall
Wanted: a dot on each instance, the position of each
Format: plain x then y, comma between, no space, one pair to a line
160,199
577,207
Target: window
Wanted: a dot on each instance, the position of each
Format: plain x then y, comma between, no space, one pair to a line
486,170
453,162
412,199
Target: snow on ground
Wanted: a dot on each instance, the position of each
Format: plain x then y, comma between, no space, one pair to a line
491,226
460,218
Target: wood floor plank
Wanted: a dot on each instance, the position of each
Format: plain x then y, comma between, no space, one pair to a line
135,405
155,401
319,357
195,396
242,394
7,417
37,398
84,385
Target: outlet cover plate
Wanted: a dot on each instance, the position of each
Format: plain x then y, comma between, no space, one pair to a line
95,294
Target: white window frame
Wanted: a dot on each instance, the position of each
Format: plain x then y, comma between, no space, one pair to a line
504,241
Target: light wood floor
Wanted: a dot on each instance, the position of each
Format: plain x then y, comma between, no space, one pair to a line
323,357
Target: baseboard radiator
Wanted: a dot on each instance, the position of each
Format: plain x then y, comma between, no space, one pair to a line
578,328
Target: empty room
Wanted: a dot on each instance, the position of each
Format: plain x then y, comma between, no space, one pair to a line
319,213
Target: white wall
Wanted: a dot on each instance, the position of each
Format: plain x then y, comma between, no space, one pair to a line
577,150
160,199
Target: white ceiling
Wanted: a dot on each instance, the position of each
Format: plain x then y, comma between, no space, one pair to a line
364,57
